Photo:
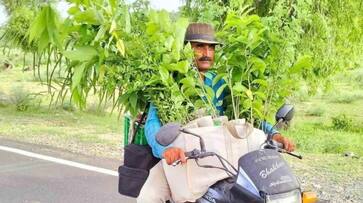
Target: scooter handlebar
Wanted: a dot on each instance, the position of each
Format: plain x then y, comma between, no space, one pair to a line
195,154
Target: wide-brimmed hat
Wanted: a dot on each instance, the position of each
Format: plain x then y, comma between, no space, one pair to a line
200,32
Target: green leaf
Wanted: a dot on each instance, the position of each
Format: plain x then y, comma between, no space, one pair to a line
169,43
101,72
101,33
258,112
258,64
188,82
84,53
249,94
238,88
303,62
113,4
261,95
133,100
77,75
164,73
237,74
182,67
113,26
73,10
127,21
151,28
260,82
89,16
190,92
217,78
210,91
38,26
43,41
120,47
180,28
220,90
78,98
166,59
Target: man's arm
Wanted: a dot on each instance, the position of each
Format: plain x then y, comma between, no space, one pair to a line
267,128
276,135
152,126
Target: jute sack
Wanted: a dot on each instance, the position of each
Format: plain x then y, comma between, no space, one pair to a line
189,182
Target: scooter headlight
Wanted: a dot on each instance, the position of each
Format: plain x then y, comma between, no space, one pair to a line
288,197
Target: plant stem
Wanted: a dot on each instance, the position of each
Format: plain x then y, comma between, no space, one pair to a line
232,96
39,63
34,55
24,55
47,71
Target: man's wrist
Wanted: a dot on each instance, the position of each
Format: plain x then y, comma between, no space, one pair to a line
277,136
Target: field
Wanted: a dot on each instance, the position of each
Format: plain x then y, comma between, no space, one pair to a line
327,126
26,116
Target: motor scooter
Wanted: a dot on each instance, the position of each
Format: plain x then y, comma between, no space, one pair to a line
263,176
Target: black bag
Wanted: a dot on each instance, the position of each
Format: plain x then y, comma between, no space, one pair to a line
138,160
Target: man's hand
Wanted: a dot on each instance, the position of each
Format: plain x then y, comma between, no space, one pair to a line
287,144
173,154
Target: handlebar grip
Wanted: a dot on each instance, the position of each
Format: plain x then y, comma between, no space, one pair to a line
177,162
279,145
188,154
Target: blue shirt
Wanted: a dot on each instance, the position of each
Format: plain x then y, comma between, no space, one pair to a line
153,122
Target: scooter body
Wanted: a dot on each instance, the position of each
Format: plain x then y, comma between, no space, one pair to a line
263,176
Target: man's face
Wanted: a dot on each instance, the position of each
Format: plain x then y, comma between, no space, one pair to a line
204,55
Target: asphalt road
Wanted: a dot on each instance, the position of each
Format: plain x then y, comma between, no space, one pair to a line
29,180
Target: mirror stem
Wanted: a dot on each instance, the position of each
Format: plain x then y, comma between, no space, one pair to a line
201,141
269,135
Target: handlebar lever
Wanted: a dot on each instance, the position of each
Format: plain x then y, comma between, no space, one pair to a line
195,154
290,153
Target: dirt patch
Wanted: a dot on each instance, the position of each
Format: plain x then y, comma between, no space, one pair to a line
334,177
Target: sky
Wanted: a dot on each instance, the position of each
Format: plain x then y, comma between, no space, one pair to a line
62,6
3,15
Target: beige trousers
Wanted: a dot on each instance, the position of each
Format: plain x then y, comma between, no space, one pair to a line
156,188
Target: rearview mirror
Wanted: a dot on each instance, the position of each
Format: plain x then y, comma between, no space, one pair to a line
168,133
285,113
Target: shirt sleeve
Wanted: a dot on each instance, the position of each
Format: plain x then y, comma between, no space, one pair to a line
268,128
152,126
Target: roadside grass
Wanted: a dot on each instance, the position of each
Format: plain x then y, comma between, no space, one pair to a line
25,116
318,110
331,122
74,131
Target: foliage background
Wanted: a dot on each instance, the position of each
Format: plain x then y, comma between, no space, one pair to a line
110,48
327,94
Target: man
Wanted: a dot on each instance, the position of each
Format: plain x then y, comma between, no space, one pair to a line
202,39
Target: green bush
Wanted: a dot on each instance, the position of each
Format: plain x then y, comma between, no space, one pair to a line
346,97
68,106
96,109
3,100
316,111
24,100
342,122
358,76
334,147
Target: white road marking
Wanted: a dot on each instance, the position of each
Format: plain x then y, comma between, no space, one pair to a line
60,161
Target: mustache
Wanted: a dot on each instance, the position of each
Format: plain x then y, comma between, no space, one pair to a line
205,58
